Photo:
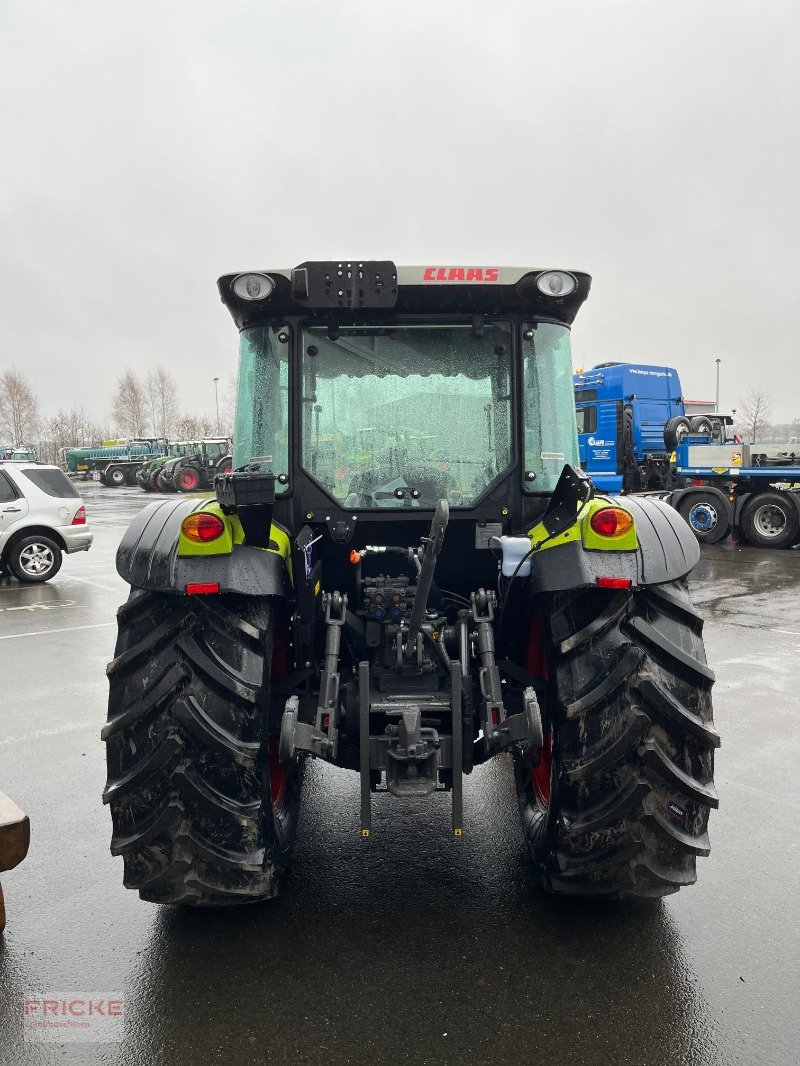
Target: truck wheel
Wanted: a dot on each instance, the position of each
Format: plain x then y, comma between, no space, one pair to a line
203,812
34,559
115,476
769,520
701,425
705,517
189,480
616,802
675,430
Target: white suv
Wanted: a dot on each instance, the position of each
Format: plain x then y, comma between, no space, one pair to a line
41,516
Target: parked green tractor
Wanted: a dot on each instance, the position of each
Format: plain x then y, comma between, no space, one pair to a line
197,466
147,476
405,575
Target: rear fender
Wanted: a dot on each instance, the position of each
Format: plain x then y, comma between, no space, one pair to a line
155,555
663,549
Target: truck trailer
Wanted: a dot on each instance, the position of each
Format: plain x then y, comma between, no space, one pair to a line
113,465
749,489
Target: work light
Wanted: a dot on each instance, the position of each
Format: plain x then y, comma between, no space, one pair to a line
556,283
253,286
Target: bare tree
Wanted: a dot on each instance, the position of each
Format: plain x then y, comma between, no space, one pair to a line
130,405
66,429
194,427
162,395
755,413
19,408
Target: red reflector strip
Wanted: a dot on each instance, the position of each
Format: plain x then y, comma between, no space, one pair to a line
614,582
201,587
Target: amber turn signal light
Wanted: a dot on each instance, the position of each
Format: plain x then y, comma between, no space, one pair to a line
201,527
611,522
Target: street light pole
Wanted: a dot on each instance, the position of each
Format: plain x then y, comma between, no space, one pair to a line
716,405
216,395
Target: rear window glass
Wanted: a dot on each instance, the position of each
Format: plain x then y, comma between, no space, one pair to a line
582,395
7,491
53,482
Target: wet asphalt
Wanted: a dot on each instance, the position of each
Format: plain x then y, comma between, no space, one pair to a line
412,947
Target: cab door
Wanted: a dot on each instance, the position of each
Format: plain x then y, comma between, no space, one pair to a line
597,442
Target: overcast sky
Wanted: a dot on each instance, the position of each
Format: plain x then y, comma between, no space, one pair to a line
146,148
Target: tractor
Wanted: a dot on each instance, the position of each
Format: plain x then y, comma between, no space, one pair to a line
147,476
197,466
197,470
406,574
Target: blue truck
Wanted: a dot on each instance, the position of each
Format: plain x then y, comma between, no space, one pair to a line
635,436
630,418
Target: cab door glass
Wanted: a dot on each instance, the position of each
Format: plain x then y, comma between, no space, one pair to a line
261,433
551,431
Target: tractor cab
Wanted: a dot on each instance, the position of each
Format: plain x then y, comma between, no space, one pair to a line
371,392
212,449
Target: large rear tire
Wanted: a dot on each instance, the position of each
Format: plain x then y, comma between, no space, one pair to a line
189,479
616,803
203,813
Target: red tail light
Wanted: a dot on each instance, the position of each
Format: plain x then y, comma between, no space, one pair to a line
202,588
202,527
80,517
611,522
614,582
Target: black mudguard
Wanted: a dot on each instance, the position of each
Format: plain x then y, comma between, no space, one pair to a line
147,557
667,550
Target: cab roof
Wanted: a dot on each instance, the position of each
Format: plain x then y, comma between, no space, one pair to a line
377,290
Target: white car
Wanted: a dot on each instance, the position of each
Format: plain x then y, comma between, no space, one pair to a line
41,517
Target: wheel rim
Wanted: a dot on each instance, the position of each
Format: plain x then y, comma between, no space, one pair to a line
703,517
188,479
769,521
117,477
36,559
278,777
540,762
278,771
